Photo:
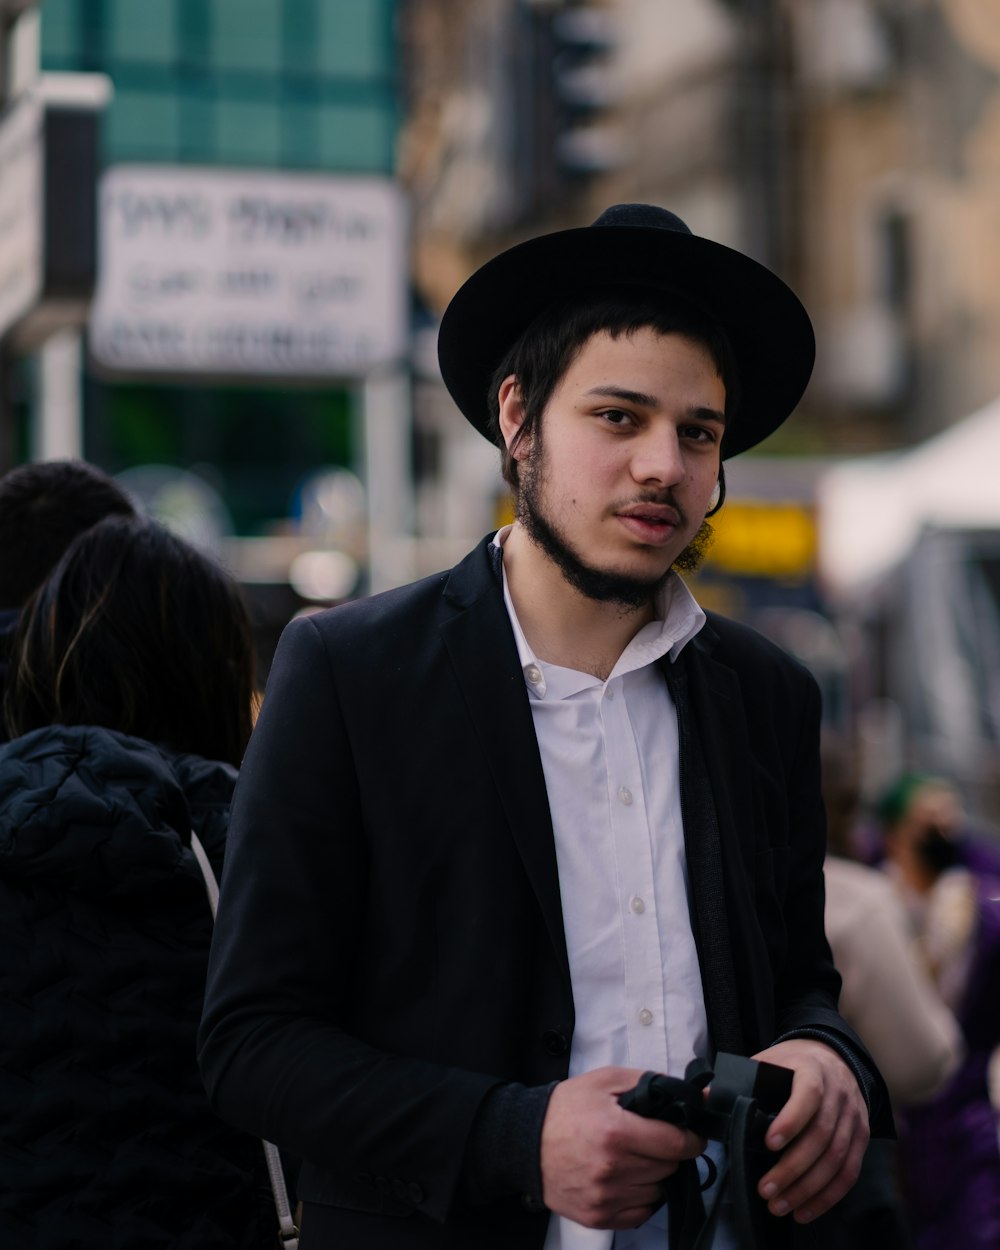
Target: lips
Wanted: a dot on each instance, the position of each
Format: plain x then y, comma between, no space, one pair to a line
650,523
654,513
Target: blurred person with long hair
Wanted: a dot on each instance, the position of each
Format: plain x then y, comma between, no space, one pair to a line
949,1144
129,702
43,506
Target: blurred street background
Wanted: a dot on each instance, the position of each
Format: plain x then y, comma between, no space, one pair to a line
228,229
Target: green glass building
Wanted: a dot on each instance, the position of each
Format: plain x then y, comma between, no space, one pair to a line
295,85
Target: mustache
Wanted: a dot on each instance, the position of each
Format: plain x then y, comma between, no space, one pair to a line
662,498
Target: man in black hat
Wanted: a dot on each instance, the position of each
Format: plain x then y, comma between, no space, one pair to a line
508,837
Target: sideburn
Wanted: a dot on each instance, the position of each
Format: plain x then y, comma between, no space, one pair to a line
693,556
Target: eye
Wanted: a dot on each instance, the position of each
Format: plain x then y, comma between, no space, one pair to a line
700,433
616,416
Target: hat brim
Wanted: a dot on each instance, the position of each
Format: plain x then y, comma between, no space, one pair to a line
770,331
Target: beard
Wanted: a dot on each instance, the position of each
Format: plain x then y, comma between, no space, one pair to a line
629,592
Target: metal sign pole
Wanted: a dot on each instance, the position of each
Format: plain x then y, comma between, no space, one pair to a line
57,430
384,421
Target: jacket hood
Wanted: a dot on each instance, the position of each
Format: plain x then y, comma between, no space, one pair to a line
101,813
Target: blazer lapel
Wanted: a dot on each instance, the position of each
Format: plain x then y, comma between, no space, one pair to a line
717,703
481,646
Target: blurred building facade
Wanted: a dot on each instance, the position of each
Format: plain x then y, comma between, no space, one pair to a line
899,194
852,145
525,115
297,85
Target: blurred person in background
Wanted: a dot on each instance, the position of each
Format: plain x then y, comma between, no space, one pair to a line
949,1145
931,808
43,506
129,705
888,997
509,836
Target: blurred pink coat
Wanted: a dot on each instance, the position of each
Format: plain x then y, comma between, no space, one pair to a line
887,996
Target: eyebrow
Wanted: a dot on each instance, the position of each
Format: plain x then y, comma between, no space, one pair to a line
642,400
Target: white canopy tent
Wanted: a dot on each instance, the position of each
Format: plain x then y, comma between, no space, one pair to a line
871,510
909,545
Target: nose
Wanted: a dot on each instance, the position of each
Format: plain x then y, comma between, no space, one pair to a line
657,458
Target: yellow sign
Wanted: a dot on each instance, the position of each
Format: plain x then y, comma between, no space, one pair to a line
760,538
503,510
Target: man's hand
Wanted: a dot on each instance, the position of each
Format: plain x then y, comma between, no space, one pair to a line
602,1166
824,1122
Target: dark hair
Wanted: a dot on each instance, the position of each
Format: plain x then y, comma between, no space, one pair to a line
546,349
893,803
43,507
136,630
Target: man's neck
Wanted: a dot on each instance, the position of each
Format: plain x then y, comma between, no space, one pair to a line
562,625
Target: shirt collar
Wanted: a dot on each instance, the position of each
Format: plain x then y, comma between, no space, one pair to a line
678,619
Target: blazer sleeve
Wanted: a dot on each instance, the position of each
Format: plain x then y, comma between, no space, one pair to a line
809,988
760,712
276,1051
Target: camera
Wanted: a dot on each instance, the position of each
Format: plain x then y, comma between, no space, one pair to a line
685,1103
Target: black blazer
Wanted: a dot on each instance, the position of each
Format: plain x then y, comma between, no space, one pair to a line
390,942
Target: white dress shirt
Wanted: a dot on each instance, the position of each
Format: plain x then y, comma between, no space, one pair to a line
609,752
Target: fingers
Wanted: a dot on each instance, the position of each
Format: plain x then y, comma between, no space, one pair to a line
609,1188
655,1140
826,1122
817,1170
801,1108
602,1166
830,1193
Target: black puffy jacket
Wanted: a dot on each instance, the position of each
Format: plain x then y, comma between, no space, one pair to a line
106,1137
8,624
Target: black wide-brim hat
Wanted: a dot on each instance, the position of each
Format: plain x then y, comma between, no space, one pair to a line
650,248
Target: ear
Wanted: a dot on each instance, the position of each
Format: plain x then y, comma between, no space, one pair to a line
511,415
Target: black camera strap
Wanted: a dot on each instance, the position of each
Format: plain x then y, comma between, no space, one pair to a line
732,1101
737,1148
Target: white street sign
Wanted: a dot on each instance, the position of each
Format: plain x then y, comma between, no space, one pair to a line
230,272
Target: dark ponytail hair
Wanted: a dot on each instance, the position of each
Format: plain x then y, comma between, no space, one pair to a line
138,631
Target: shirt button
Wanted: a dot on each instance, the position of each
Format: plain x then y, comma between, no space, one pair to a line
625,795
533,673
637,905
609,693
645,1016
